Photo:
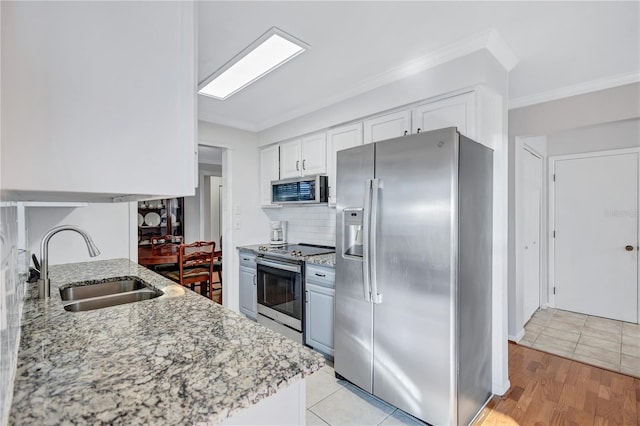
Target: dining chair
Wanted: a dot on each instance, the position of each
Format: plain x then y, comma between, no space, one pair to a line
195,266
217,285
162,240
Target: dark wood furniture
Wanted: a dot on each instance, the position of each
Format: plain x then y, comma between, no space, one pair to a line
148,256
195,267
157,242
171,212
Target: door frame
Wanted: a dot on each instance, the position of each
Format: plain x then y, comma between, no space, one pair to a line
552,211
518,308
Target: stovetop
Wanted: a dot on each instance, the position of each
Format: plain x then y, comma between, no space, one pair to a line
295,251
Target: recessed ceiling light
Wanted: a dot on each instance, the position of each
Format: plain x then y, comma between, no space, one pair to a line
272,49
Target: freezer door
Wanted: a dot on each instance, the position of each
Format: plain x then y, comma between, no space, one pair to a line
415,263
353,332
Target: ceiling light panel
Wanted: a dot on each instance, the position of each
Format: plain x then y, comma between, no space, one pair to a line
271,50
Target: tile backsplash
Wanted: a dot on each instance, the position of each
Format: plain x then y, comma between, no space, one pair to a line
306,224
12,290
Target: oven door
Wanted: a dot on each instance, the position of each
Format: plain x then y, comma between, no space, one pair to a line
280,291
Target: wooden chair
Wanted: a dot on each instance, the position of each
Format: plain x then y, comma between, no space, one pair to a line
161,241
217,268
195,266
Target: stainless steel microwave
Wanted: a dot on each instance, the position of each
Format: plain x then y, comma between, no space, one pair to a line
300,190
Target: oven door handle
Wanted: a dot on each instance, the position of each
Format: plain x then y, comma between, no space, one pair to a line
278,265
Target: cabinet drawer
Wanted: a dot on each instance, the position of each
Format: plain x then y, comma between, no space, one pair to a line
320,275
247,260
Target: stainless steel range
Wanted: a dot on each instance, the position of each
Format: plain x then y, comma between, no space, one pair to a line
281,286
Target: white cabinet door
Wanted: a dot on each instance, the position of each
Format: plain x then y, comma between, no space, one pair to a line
269,170
290,164
314,154
319,317
248,292
387,126
456,111
340,138
101,101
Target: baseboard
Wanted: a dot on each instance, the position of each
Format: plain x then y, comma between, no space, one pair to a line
517,337
500,389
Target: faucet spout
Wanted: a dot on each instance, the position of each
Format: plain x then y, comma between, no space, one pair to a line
44,288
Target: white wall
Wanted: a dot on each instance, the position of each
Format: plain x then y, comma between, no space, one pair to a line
244,222
109,225
600,137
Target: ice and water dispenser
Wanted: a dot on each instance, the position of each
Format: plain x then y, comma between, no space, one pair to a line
353,231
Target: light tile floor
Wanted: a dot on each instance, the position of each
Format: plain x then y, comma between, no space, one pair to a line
606,343
335,402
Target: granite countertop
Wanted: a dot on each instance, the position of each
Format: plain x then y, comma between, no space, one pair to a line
176,359
321,259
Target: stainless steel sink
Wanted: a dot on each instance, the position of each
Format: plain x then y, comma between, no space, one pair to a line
118,291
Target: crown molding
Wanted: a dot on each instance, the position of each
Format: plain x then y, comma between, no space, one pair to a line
488,39
575,89
217,119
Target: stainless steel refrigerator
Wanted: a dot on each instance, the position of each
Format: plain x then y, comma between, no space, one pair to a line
413,273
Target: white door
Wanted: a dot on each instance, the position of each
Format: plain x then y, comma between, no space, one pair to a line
596,235
532,198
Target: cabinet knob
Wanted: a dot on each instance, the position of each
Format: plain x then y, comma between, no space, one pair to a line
418,130
298,165
628,248
405,132
303,165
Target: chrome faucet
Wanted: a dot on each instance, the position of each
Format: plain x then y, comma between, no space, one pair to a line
44,289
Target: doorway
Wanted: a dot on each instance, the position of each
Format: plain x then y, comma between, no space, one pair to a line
594,231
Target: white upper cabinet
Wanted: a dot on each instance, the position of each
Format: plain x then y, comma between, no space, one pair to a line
340,138
269,170
314,154
290,153
100,102
305,156
387,126
456,111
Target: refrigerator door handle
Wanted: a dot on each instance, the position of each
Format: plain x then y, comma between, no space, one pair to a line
373,226
365,242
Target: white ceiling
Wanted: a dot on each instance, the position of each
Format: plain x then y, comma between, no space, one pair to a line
558,45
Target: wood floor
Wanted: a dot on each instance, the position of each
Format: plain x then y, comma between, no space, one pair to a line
550,390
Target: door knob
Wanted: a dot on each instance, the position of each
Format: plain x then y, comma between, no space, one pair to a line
628,248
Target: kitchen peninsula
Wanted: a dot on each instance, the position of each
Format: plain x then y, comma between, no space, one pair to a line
176,359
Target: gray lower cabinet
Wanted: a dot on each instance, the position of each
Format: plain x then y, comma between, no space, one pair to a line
248,285
319,307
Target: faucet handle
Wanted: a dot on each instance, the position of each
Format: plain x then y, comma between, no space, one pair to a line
36,263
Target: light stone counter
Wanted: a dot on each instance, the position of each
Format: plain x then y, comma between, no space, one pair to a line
176,359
